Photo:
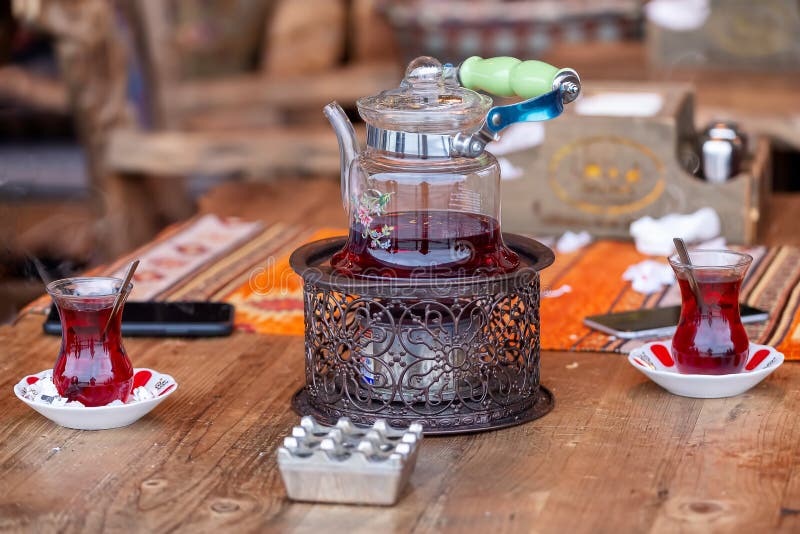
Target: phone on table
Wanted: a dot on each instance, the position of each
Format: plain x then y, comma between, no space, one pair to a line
655,322
166,319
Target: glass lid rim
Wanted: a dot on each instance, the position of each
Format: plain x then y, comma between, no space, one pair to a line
372,103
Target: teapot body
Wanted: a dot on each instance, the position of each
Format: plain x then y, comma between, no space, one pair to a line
421,217
424,197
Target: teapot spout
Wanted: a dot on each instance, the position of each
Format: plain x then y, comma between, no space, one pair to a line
348,144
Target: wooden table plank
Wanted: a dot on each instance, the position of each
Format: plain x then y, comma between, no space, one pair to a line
617,454
730,472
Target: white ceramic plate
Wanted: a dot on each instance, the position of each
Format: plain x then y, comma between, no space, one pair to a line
655,361
103,417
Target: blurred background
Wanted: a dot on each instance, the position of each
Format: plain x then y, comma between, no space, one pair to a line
118,117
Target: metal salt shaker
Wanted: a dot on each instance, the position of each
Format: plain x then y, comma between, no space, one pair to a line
722,146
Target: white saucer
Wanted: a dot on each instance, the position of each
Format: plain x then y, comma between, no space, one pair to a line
655,361
103,417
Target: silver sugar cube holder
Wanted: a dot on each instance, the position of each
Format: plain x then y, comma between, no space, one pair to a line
348,464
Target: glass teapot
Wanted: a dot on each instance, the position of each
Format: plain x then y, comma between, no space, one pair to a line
424,197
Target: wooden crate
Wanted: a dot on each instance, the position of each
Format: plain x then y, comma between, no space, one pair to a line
600,173
738,34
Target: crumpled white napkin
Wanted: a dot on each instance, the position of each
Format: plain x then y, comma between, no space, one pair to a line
570,241
649,276
518,136
654,236
509,171
555,293
678,15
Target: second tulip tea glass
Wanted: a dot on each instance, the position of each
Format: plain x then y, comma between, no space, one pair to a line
710,338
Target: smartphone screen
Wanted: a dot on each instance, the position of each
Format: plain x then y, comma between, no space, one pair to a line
655,322
166,319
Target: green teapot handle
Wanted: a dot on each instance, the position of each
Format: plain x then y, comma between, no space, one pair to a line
508,76
544,88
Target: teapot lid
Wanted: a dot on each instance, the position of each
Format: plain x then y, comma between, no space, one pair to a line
429,100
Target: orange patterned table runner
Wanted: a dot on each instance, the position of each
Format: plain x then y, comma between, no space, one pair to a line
247,264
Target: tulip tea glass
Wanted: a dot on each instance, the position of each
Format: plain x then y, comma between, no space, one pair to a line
91,368
710,338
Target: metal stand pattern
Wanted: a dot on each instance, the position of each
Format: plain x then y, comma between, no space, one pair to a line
456,354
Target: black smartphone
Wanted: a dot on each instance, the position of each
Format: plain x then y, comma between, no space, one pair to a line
655,322
166,319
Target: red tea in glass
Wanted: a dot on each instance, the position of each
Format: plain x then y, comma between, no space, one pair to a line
91,368
710,338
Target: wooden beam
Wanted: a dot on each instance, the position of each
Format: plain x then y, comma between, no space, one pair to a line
304,37
154,38
254,154
372,36
345,85
93,63
19,85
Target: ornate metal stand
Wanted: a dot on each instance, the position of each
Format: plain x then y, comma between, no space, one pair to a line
456,354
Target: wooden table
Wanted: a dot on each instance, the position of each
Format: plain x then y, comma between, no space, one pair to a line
618,454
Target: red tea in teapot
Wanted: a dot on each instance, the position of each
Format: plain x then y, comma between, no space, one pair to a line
710,338
424,243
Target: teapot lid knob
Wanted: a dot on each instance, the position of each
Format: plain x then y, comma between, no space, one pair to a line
424,70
